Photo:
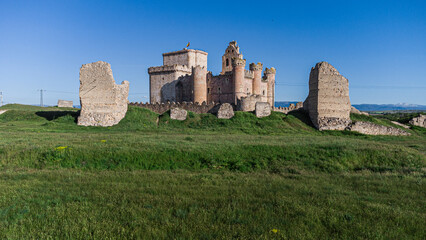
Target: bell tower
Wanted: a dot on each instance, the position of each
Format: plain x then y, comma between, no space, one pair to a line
231,52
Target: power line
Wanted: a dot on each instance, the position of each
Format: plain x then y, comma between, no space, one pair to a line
41,96
352,86
54,91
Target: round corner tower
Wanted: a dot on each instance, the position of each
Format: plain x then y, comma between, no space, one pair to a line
257,77
199,84
270,76
238,77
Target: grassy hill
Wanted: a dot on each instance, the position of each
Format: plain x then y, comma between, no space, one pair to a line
154,177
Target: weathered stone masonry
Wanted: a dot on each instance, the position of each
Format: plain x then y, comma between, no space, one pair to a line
328,101
103,103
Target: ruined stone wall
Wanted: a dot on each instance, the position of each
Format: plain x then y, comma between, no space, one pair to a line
160,108
248,103
328,102
103,103
65,104
419,121
288,109
374,129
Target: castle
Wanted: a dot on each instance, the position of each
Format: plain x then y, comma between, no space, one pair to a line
184,78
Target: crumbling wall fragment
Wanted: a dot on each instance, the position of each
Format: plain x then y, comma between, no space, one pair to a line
374,129
248,103
328,101
225,111
65,104
263,109
178,114
419,121
103,103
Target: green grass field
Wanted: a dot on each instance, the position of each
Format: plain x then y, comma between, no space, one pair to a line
206,178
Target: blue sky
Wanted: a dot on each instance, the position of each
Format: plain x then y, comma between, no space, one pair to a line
380,46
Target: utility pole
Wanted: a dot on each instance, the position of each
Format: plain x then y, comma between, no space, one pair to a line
1,99
41,97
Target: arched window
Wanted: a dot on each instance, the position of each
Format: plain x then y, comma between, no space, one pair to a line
227,62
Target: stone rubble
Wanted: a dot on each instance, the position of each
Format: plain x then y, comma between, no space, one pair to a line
65,104
262,109
374,129
178,114
419,121
225,111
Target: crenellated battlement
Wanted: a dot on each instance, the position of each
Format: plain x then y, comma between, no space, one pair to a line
256,66
270,71
171,68
248,74
198,67
288,109
238,62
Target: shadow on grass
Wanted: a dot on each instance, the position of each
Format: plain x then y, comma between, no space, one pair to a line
53,115
302,116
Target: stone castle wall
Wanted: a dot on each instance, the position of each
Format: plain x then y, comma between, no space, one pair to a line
163,81
288,109
170,82
161,108
220,88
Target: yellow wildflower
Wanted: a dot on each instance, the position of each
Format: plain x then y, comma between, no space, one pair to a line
274,230
103,141
60,148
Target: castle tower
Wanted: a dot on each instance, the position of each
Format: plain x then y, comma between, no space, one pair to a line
238,77
257,77
199,81
231,52
270,77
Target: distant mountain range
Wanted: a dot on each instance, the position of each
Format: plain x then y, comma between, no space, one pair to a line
371,107
389,107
